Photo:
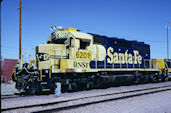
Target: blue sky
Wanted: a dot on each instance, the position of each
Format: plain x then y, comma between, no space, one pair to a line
141,20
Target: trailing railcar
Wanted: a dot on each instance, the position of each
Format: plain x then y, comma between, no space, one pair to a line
82,61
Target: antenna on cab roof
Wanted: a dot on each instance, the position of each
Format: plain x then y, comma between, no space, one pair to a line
56,27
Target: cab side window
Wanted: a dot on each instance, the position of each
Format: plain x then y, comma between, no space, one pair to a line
84,43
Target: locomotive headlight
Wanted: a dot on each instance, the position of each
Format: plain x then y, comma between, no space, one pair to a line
46,71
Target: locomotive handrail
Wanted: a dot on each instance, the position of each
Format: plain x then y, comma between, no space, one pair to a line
54,65
39,67
149,61
153,61
166,72
169,62
15,77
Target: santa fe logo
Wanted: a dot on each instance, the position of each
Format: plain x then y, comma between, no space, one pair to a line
123,58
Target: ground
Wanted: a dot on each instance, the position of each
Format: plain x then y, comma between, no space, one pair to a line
7,89
152,103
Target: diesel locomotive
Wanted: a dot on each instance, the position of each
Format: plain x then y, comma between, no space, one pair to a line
81,61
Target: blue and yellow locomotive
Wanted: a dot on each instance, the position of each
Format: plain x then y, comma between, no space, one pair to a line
84,61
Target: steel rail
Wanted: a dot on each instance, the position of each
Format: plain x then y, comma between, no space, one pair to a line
97,102
16,95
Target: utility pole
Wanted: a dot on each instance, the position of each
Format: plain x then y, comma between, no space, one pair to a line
20,34
0,35
167,30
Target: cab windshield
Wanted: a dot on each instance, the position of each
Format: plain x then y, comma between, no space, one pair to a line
60,41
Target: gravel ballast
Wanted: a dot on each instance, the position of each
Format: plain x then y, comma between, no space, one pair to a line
153,103
8,89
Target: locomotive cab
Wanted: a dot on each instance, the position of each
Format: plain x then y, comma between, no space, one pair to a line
63,49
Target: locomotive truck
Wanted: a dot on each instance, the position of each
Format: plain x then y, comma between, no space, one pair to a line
81,61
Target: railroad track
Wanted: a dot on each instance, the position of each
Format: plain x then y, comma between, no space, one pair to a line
9,96
118,96
16,95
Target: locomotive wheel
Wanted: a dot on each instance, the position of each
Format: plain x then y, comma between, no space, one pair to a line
137,81
153,79
90,85
73,86
164,79
70,87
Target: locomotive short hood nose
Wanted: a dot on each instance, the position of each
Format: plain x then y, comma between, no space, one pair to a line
46,51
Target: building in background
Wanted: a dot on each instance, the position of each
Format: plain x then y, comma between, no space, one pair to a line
7,68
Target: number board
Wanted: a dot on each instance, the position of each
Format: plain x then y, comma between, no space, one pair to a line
84,55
